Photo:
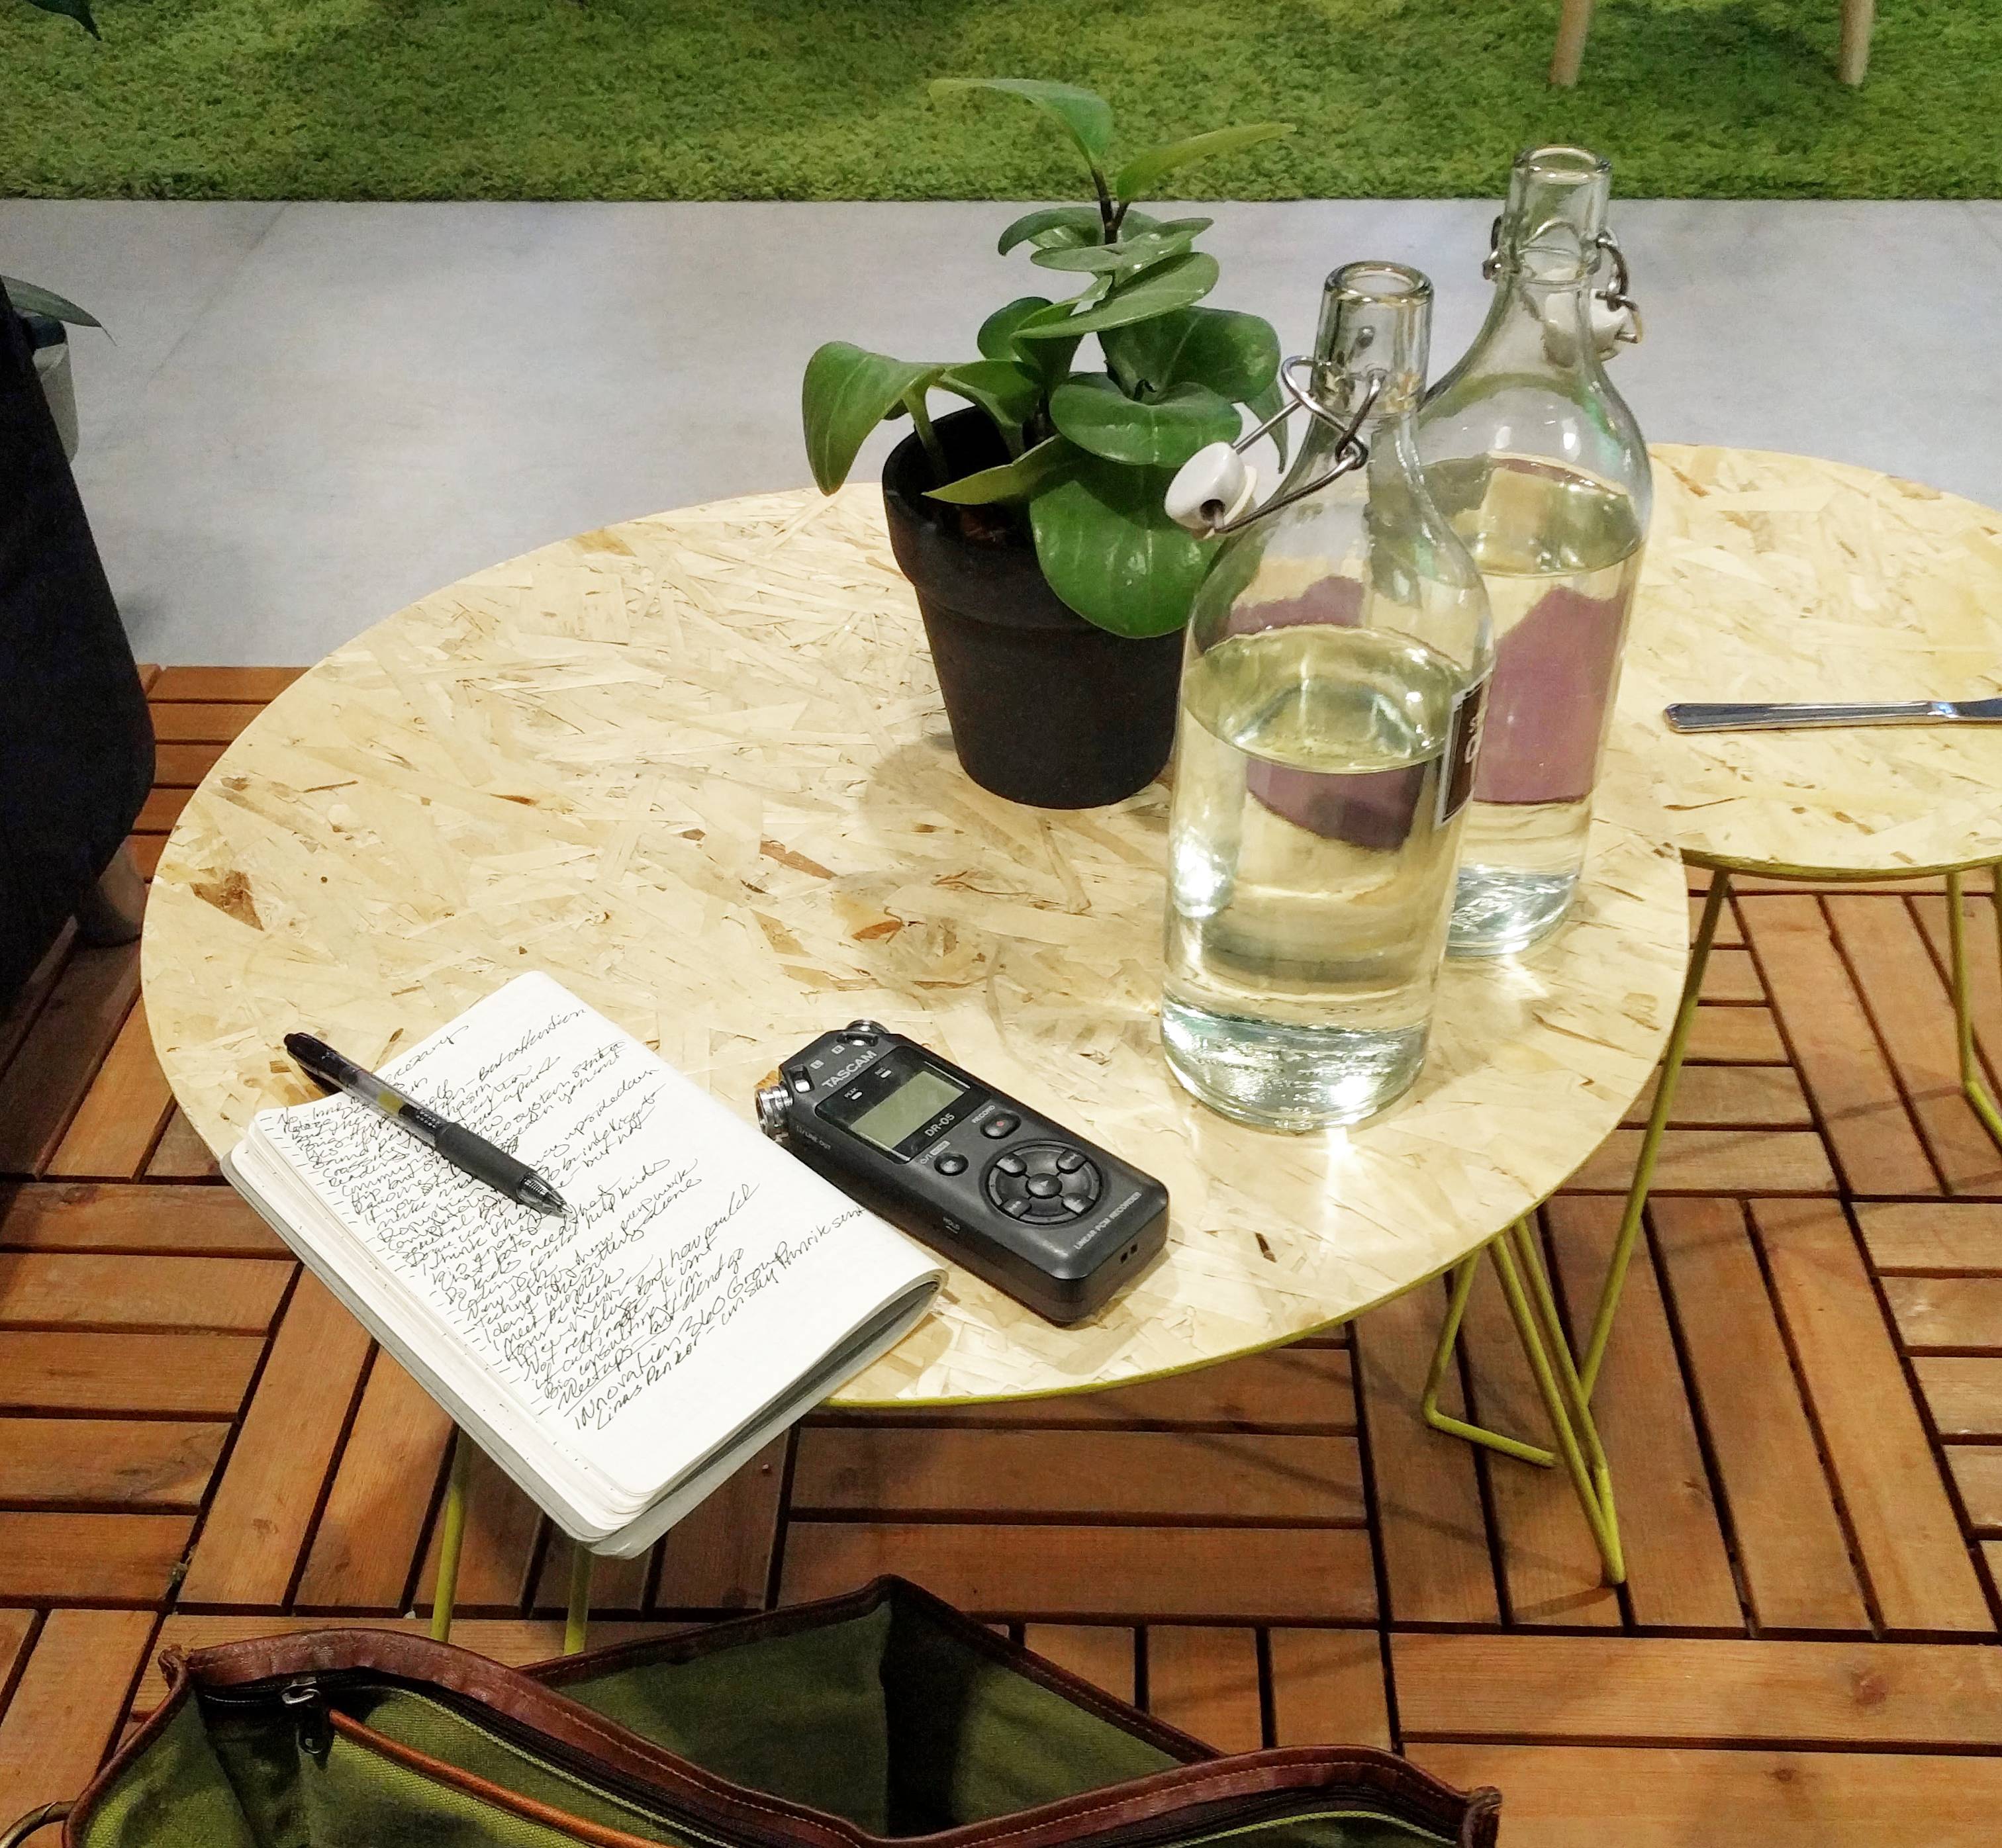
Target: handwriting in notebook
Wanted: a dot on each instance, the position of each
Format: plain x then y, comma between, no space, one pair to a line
582,1314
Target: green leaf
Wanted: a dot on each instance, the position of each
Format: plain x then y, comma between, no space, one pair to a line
32,298
1237,355
997,331
1265,405
1087,118
1153,246
846,392
1110,551
1139,174
1096,415
1175,284
1008,392
1066,226
79,10
1029,474
1055,225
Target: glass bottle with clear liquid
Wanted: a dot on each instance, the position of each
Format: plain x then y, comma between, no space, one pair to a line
1538,463
1330,703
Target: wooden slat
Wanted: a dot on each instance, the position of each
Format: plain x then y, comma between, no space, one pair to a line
503,1538
365,1546
66,1710
255,684
1933,1235
1550,1568
181,1155
97,1216
1791,1549
517,1641
1437,1565
617,1586
720,1557
1909,1001
1731,975
1746,1035
1685,1691
202,724
1963,1392
1581,1797
146,851
1103,1654
1201,1476
17,1020
1728,1096
183,766
1937,1314
1733,1161
190,1374
1678,1569
160,811
258,1521
113,1558
1875,1143
49,1075
1328,1688
228,1295
81,1462
1295,1389
1899,1516
1977,1469
1204,1679
1246,1574
98,1290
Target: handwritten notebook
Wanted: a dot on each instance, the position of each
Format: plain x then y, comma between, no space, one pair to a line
704,1291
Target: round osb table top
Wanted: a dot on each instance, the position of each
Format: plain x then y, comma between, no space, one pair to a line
1774,576
695,767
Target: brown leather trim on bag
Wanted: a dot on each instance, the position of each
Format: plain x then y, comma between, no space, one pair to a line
533,1701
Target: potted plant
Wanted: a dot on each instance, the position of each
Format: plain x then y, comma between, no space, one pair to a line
1052,584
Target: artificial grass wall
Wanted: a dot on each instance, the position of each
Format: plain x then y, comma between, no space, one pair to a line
825,99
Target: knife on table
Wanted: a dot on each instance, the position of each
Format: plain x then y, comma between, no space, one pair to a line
1766,716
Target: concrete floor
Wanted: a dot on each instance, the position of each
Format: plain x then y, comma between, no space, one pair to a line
313,414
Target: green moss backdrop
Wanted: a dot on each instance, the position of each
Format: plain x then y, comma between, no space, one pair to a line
825,99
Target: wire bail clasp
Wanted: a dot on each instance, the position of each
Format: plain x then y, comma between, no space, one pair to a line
1214,493
1613,314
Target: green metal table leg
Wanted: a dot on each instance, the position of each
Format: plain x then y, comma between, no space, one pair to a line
1462,1286
1541,1332
451,1538
577,1623
1971,1081
1650,1141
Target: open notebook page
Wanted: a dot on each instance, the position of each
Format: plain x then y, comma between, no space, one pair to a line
700,1272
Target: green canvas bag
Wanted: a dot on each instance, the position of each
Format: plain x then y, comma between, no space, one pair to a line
884,1716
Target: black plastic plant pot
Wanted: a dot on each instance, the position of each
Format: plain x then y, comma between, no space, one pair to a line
1045,708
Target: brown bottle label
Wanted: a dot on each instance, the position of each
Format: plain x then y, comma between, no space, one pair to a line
1463,748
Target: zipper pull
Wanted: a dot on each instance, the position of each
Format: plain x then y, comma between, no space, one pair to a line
303,1695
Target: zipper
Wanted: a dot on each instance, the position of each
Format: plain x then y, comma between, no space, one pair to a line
306,1695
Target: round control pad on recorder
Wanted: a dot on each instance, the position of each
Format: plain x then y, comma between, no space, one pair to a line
1043,1183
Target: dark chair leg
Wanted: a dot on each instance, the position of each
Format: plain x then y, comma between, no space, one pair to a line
110,911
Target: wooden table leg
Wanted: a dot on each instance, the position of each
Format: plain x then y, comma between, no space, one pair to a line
1857,18
1573,24
451,1538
